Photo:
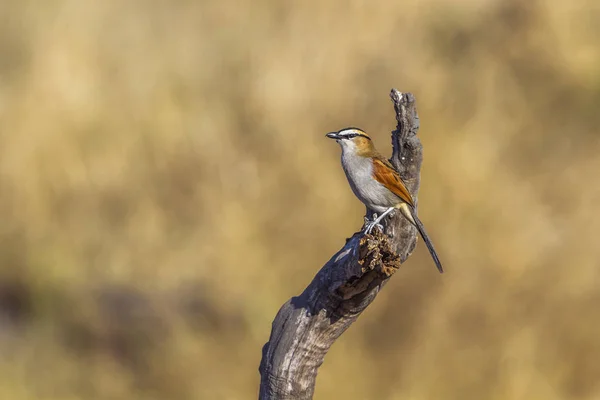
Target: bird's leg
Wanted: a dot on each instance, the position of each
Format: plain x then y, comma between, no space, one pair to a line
375,222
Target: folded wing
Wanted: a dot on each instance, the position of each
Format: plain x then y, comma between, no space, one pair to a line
386,174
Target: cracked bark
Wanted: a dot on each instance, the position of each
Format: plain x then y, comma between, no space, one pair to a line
307,325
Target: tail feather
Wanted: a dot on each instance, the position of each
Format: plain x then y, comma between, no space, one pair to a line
411,215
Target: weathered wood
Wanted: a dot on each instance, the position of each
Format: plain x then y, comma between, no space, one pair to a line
307,325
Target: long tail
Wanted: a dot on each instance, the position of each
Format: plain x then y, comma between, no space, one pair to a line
411,215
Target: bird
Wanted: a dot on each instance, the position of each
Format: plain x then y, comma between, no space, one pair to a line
376,182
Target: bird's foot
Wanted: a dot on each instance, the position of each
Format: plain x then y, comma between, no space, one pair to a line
369,225
368,221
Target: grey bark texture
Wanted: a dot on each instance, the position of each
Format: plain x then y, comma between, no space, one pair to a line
307,325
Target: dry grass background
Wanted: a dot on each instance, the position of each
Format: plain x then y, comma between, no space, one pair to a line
166,186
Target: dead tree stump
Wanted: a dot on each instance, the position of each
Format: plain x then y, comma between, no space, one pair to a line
307,325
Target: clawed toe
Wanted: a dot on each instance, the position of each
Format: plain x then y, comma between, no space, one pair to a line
372,225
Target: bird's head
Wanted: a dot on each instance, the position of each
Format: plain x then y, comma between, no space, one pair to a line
352,139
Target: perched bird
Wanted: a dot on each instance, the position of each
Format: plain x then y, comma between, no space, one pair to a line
376,182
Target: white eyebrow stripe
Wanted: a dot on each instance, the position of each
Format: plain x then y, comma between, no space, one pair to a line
348,132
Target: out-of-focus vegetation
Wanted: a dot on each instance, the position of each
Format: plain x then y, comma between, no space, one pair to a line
165,186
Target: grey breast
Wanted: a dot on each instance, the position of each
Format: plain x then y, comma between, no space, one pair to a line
359,171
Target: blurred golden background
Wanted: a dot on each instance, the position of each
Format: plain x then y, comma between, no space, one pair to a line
166,185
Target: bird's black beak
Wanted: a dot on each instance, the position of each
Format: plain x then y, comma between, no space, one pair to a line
333,135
